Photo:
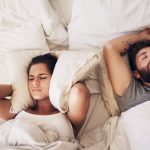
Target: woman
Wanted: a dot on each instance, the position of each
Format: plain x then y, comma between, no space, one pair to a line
39,75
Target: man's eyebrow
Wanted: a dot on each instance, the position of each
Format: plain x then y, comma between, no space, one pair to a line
142,53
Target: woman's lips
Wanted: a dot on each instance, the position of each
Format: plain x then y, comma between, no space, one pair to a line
36,90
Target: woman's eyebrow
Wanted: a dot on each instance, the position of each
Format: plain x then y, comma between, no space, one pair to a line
43,74
39,74
30,75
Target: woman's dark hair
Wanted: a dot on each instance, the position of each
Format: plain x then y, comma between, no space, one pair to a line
133,50
48,59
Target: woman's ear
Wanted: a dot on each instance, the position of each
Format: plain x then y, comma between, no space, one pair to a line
136,75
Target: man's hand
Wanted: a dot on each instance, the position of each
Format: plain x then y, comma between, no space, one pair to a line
145,34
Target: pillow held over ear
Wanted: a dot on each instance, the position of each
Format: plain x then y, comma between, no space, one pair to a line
71,67
17,63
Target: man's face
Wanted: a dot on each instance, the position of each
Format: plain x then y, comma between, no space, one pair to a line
143,64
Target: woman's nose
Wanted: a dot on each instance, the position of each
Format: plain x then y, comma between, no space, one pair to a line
35,83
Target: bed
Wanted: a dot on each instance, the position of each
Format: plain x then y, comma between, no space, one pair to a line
75,31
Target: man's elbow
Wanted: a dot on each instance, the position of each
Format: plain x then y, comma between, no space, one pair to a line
107,47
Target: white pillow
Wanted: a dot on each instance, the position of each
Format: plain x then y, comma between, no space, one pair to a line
71,67
53,28
24,37
95,21
64,7
17,13
15,50
17,63
20,12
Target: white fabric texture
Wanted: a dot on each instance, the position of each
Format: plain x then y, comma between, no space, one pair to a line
129,131
132,131
20,132
50,122
35,130
132,124
95,21
18,45
107,92
23,13
21,31
58,145
64,7
75,66
92,130
19,12
24,37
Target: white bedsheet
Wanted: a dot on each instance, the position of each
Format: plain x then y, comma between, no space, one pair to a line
130,131
58,145
121,133
23,134
19,132
133,129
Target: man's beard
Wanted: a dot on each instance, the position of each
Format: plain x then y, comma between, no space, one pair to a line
145,76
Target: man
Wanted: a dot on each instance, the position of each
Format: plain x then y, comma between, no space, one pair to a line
131,87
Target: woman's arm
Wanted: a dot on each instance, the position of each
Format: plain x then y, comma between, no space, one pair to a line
119,72
5,90
79,101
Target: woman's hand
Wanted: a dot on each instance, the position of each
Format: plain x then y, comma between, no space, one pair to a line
145,34
5,90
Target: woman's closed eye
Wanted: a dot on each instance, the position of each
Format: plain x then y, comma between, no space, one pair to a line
30,78
40,77
43,77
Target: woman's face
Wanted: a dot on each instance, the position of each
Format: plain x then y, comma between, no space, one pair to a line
38,81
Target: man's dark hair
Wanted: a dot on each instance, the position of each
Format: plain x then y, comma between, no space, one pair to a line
133,50
48,59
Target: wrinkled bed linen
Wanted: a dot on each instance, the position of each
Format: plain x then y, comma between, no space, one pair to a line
20,12
20,133
130,131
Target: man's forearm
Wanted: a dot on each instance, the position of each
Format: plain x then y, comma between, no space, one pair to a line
5,90
121,44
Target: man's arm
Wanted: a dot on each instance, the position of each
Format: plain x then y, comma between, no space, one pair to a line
119,72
